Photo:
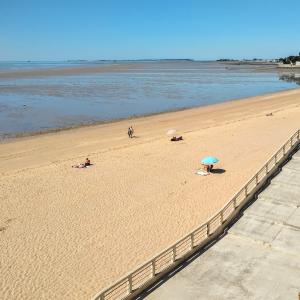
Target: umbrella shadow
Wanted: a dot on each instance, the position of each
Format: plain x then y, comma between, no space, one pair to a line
217,171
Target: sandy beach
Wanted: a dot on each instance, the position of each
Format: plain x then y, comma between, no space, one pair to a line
67,233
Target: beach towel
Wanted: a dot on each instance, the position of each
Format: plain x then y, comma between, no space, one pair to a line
202,173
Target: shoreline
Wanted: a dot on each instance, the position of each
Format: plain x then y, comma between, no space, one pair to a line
23,135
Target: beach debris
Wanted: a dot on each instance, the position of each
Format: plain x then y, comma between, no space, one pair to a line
269,114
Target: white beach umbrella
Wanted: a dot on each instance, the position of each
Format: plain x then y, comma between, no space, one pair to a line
171,132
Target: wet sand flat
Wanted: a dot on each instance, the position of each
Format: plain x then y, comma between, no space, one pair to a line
38,99
67,233
66,71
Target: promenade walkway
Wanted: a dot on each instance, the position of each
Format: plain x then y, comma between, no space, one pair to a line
259,257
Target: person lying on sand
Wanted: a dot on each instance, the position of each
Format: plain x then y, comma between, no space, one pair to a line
206,168
175,139
83,165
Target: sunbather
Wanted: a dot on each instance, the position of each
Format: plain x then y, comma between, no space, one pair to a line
83,165
175,139
207,168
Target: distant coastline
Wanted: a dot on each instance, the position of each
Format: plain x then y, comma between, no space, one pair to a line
92,67
81,67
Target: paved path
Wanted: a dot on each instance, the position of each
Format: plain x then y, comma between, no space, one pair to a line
259,258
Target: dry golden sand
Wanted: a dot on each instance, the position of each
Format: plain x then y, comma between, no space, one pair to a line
67,233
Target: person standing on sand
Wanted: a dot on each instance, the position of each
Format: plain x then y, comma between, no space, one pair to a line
132,131
129,132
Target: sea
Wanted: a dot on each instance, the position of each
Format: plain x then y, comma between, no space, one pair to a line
31,104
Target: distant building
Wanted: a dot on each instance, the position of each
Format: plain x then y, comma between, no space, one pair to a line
290,65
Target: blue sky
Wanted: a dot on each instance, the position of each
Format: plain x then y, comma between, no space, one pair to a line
137,29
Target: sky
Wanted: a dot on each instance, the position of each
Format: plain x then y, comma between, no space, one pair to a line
148,29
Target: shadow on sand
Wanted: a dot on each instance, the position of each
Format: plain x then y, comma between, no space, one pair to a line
217,171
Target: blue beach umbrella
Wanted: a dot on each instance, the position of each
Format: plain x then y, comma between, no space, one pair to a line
209,160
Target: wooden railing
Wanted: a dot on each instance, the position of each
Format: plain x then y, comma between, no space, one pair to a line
152,270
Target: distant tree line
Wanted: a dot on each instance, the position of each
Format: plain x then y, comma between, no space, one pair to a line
244,59
227,59
292,59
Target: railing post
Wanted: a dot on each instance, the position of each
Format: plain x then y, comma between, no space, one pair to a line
291,142
174,253
246,190
283,149
234,203
276,159
130,284
207,229
153,268
267,168
222,217
256,179
101,297
192,241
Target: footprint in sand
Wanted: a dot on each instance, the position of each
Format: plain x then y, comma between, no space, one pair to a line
2,228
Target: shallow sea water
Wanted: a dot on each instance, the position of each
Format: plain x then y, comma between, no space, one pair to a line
50,102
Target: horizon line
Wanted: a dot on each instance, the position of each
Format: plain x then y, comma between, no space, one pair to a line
138,59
